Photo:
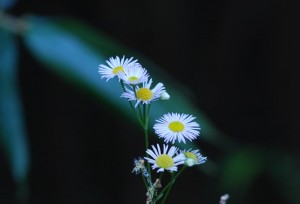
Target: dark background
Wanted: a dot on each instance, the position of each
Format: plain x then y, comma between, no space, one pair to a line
239,58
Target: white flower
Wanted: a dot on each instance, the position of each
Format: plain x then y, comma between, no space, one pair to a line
164,96
175,126
166,160
193,157
115,67
134,75
144,94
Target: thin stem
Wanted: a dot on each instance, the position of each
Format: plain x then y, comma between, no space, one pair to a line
149,106
161,176
145,182
145,116
146,136
131,105
140,111
139,108
171,183
137,115
146,124
141,115
147,145
168,191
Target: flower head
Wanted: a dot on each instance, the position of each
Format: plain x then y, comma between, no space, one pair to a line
166,160
144,94
134,75
115,66
175,126
193,157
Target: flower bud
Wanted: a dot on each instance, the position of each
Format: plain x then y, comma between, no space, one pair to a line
190,162
164,96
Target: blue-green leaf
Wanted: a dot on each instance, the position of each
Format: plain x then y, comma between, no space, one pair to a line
6,4
74,51
13,136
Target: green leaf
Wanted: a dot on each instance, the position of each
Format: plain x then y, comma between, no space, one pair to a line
240,170
13,137
75,50
286,171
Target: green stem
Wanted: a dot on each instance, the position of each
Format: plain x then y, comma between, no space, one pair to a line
170,185
142,116
161,176
168,190
146,138
139,108
149,106
131,105
145,182
147,145
137,115
145,126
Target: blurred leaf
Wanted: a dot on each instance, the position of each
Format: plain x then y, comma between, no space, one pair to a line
285,169
6,4
241,169
13,137
74,51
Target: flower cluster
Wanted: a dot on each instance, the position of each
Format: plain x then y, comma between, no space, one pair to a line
171,127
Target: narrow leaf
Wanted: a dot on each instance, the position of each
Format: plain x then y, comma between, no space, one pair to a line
74,51
12,135
6,4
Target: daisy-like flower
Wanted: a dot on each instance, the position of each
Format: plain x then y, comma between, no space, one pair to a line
144,94
135,74
193,157
166,160
115,66
175,126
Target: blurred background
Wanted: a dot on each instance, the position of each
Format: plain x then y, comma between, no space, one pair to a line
66,137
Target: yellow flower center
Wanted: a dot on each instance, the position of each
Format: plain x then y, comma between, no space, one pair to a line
118,69
164,161
133,79
144,94
176,126
190,155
